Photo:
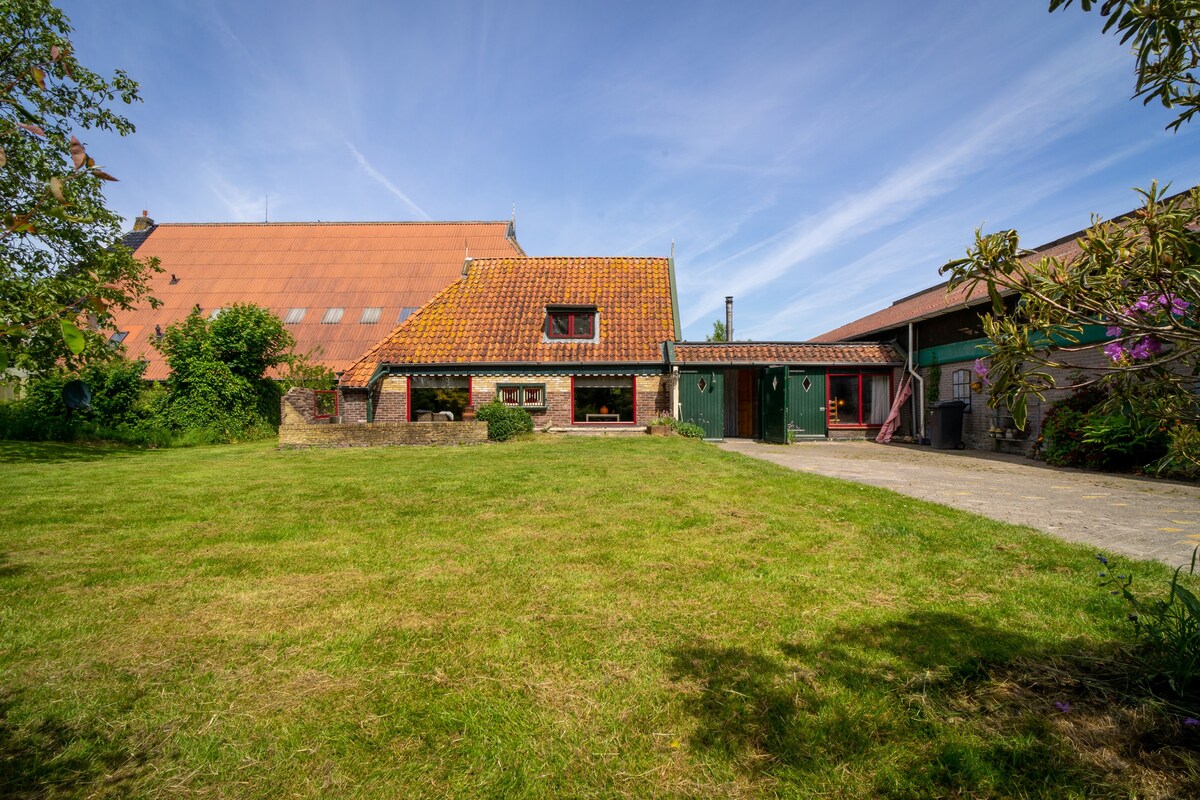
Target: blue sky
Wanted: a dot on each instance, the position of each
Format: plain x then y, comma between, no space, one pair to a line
814,160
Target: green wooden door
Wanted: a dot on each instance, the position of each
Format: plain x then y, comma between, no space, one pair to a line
702,401
806,402
774,404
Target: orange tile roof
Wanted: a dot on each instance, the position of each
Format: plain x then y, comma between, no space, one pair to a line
315,266
936,300
760,353
496,314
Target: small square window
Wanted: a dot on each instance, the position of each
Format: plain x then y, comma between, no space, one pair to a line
370,316
294,316
332,316
571,323
523,395
405,313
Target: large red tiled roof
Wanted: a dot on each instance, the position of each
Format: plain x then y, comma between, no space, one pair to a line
786,353
315,266
496,314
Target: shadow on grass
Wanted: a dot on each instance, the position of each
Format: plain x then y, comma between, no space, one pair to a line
45,757
51,452
933,704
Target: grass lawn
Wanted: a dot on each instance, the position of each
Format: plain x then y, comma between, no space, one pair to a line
547,618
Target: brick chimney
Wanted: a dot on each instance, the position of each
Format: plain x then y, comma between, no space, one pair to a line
143,223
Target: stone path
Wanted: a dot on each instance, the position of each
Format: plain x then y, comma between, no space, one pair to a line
1136,517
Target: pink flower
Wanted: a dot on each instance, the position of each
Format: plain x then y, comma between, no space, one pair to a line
1116,352
981,369
1144,348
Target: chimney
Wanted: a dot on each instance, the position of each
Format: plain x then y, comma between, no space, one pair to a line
728,318
143,223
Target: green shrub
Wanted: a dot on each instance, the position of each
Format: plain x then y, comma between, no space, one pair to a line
690,430
1167,630
1084,430
504,422
1182,459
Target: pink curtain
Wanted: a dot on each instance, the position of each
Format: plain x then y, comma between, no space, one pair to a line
893,419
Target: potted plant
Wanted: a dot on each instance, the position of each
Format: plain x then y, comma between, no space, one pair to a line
663,426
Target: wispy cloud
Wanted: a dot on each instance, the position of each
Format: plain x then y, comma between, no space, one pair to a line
379,178
243,205
1049,102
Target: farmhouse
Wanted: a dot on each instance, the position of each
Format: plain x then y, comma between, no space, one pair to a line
592,345
579,342
337,285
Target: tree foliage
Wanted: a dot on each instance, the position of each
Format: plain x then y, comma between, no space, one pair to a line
1137,276
719,334
61,271
219,370
1165,36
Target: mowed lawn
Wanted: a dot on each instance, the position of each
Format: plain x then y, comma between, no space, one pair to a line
548,618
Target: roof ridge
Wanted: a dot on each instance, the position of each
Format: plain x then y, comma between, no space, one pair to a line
315,223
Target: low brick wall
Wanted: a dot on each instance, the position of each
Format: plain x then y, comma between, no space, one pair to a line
298,429
383,434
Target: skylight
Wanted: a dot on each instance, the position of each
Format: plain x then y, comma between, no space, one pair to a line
118,337
370,316
332,316
216,312
405,313
294,315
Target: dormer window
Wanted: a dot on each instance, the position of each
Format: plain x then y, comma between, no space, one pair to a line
571,323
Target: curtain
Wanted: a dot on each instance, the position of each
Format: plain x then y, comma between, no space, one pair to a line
881,386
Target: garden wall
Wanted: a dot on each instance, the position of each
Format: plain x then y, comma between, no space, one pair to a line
298,428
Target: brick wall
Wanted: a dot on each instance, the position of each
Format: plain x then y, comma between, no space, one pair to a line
982,418
298,428
391,400
382,434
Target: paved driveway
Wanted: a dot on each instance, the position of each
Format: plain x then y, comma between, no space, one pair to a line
1133,516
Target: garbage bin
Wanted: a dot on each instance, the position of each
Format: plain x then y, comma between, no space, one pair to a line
945,430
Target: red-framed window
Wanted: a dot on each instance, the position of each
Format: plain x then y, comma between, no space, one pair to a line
437,394
325,404
858,399
571,323
604,400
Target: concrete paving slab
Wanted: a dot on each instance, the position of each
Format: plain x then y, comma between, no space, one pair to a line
1132,516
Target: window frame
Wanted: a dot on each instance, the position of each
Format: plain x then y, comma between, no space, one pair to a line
571,314
408,393
964,384
634,397
860,374
521,389
317,394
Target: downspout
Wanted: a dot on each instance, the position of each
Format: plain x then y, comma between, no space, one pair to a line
379,373
919,406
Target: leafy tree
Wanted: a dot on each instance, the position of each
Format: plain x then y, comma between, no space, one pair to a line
1165,35
61,273
719,334
1138,277
219,370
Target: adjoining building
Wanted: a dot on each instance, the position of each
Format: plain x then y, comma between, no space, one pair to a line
338,286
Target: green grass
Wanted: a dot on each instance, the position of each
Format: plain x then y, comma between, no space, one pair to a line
546,618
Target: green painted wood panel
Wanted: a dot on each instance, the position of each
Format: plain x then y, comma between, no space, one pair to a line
702,401
806,402
774,404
